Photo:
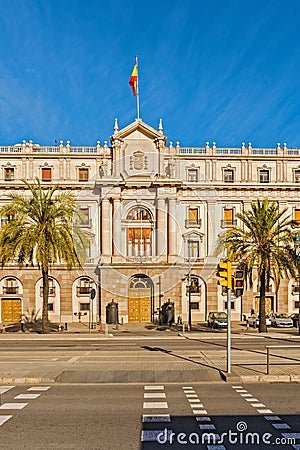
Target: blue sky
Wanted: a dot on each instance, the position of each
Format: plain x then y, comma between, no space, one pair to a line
213,70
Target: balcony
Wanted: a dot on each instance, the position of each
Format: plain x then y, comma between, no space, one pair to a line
51,293
83,290
295,290
84,223
193,223
10,290
228,224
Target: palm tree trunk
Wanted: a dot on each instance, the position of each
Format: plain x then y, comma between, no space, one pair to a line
262,302
45,322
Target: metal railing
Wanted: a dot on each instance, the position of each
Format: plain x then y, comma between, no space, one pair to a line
270,347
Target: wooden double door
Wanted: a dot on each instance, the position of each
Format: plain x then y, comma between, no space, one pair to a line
269,304
139,305
11,310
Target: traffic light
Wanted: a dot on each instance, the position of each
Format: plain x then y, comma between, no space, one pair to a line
238,282
224,271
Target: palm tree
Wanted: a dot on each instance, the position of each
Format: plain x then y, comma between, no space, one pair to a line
42,231
263,242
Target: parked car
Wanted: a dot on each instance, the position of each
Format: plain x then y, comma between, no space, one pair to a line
217,319
295,319
281,320
253,320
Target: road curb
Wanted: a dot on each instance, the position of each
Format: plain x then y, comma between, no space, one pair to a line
234,378
26,380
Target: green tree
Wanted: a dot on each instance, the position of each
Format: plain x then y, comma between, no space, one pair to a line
263,242
42,230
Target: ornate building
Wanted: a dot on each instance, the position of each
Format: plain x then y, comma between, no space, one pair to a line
154,212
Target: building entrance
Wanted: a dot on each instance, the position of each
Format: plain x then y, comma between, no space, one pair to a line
269,304
139,299
11,310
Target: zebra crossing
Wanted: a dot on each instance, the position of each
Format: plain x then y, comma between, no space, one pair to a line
32,393
275,420
199,427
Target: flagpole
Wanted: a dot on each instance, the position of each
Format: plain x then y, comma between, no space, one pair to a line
137,89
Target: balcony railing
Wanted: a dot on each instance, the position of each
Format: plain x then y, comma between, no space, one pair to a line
10,289
83,290
193,223
51,293
228,224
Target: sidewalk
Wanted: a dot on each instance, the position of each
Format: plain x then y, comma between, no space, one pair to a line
247,364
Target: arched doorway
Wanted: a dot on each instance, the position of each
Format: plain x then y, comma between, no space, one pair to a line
140,299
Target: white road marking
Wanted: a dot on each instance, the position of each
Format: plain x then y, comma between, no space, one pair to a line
200,405
156,418
281,426
265,411
149,388
241,390
291,435
203,419
187,387
246,395
252,399
4,419
152,435
4,389
258,405
154,395
191,395
214,436
39,388
207,426
13,405
200,411
26,396
155,405
216,447
194,400
272,418
237,387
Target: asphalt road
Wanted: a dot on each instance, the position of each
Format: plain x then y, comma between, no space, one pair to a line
128,416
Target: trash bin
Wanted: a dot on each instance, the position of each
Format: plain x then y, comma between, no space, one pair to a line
112,314
168,313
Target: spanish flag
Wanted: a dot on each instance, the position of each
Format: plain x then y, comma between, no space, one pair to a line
134,79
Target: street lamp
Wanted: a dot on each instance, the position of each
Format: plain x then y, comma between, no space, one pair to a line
297,255
189,284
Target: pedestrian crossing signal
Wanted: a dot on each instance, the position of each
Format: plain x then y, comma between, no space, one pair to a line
238,282
224,271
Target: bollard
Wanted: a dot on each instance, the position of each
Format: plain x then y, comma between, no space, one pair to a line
106,329
183,328
66,326
247,325
3,328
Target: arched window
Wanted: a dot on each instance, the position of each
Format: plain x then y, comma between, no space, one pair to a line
139,232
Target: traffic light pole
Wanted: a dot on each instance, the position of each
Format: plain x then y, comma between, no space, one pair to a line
228,330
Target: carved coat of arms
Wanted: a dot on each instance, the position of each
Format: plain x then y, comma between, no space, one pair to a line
138,161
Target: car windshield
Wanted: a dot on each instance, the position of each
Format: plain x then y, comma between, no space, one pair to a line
221,315
282,316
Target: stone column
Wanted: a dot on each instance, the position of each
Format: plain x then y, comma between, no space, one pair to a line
212,228
106,228
161,232
117,242
172,230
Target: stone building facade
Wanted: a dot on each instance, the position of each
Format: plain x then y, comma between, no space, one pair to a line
154,211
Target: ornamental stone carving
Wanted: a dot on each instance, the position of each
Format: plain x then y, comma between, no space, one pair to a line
138,161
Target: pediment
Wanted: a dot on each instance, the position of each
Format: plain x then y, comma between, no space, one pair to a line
138,130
